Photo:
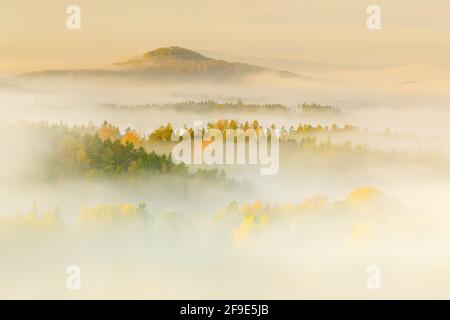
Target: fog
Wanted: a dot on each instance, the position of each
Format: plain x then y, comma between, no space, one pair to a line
372,196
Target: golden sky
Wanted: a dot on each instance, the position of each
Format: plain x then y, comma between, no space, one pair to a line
33,34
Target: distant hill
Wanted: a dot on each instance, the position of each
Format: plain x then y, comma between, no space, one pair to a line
173,63
304,66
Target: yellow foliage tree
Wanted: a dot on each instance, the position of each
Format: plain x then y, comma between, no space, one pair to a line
131,137
107,131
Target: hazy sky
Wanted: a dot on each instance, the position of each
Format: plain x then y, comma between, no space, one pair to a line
33,34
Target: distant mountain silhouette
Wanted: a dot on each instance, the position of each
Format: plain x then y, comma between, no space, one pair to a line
173,63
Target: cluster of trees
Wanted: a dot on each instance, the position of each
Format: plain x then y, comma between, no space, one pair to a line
243,219
365,203
164,133
91,151
91,156
31,221
314,108
109,214
208,106
61,151
304,134
225,124
307,128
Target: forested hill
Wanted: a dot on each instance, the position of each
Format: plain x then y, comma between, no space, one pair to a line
173,63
